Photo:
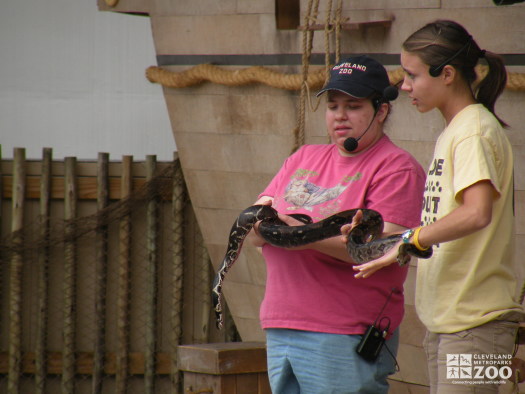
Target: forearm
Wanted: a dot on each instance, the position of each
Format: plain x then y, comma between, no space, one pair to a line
335,248
332,247
473,215
458,224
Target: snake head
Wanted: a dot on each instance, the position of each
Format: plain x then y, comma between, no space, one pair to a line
407,250
403,257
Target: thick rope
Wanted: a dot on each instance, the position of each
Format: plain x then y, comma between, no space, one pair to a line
308,35
338,22
328,29
263,75
210,73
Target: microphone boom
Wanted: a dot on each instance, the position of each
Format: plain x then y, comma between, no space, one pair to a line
390,93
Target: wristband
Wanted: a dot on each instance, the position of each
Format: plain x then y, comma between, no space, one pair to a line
407,235
415,239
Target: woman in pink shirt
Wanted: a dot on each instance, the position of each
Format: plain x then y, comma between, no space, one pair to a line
315,312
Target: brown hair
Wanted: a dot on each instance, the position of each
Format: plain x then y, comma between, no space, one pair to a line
447,42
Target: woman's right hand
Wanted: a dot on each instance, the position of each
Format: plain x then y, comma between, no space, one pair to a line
345,229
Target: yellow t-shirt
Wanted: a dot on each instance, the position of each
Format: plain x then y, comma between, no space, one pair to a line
472,280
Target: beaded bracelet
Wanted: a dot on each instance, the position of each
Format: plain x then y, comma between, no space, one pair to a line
415,239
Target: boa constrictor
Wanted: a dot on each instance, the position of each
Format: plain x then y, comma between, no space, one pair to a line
363,243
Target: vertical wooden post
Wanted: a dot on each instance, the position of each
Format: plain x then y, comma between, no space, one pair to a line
123,282
1,188
177,206
100,272
15,274
70,203
205,282
149,373
43,263
2,266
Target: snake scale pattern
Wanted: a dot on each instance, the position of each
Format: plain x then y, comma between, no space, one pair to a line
363,242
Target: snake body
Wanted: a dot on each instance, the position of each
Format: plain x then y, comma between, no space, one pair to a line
363,242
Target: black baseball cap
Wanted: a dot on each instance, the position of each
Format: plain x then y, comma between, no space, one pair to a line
358,76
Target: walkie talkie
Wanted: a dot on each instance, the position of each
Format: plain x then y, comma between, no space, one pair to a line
374,338
371,343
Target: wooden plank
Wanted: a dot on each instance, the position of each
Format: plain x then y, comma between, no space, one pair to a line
43,273
101,266
15,272
244,383
247,383
87,187
228,385
123,293
397,387
152,282
223,358
1,209
264,384
413,365
203,264
199,383
84,363
386,23
85,168
177,211
70,271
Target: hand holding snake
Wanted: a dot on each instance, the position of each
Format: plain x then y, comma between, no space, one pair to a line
366,269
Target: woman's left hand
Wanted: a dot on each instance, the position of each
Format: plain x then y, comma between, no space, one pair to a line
290,220
365,270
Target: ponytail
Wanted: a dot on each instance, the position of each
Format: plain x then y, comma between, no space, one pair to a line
489,88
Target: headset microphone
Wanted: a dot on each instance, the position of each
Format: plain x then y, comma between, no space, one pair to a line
435,71
390,93
350,144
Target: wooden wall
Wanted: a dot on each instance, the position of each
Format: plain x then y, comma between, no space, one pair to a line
111,275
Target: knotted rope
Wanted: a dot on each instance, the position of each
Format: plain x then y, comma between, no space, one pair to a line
250,75
263,75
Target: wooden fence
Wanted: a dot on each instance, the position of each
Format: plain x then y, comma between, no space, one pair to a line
103,274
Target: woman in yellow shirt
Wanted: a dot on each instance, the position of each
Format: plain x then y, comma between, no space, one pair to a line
465,293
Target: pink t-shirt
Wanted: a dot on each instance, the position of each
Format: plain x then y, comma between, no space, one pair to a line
308,290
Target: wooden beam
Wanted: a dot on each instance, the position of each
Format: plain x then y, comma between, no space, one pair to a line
386,23
87,187
15,272
84,363
223,358
123,292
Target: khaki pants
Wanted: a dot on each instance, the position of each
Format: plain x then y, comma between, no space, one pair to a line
470,361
